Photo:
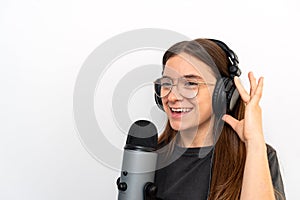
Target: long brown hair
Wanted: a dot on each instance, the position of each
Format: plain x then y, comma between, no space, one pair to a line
229,152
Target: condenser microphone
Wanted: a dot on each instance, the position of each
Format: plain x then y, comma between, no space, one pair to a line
139,163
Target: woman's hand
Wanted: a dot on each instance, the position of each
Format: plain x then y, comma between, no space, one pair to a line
250,128
257,182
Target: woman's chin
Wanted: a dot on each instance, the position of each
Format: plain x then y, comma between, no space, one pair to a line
177,126
181,127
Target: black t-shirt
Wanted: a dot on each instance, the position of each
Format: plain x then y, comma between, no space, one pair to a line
186,174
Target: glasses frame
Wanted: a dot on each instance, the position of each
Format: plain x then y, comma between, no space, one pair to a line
172,86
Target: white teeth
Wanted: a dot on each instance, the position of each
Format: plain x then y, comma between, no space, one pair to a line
181,109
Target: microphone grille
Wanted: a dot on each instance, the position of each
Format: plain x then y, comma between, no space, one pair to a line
142,133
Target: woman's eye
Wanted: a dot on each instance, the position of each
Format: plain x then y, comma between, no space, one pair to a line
166,84
190,83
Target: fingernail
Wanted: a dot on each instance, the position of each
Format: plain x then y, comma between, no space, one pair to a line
237,78
223,118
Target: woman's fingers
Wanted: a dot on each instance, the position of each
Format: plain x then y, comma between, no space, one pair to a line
230,120
258,92
255,88
236,125
253,83
244,94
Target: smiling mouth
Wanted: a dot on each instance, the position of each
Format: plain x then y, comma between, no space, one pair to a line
180,110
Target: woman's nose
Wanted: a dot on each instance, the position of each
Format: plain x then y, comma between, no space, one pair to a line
174,95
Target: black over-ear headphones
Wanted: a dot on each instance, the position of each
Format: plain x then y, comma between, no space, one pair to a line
225,94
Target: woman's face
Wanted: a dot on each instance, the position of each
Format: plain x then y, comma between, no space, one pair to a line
187,114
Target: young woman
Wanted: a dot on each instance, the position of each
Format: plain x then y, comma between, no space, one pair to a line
213,145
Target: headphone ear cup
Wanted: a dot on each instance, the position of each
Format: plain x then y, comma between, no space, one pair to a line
158,102
233,96
225,96
219,97
157,99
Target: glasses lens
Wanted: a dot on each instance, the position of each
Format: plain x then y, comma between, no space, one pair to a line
163,86
188,87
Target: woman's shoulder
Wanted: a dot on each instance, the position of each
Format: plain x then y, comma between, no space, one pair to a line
272,154
275,172
270,150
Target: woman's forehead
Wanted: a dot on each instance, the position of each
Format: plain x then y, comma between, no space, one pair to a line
184,64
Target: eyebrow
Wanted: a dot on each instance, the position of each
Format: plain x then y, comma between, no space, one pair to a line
193,76
189,76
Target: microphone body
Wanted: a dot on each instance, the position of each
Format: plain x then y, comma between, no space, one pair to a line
139,162
138,169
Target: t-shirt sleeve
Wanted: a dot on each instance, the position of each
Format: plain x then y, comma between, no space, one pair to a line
275,173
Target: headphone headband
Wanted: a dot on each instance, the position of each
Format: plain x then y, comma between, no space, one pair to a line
232,57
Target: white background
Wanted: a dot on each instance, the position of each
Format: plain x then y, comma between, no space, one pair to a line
44,43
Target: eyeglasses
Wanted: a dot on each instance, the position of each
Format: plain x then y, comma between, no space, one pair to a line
187,87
